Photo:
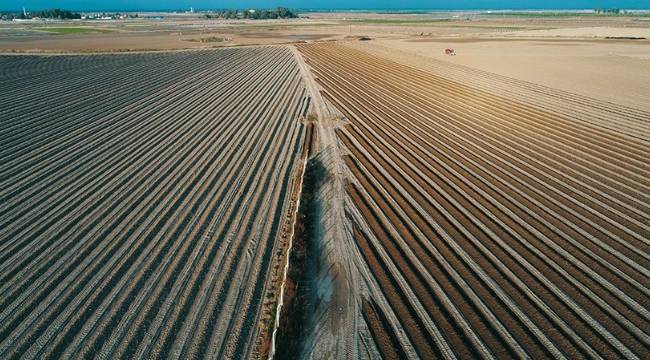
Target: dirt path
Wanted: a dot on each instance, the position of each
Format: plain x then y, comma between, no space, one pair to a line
338,317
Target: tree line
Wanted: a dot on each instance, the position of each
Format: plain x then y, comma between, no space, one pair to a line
609,11
255,14
43,14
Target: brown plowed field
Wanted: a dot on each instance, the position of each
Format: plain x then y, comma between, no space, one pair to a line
144,201
495,227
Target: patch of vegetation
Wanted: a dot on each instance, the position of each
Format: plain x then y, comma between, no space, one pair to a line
43,14
496,27
211,39
281,26
560,14
399,21
311,117
609,11
624,38
73,30
56,14
253,14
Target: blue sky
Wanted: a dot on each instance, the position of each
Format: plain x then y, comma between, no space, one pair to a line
335,4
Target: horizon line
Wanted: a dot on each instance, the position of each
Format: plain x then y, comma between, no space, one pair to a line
334,9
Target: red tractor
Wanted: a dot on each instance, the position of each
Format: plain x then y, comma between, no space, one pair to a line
450,52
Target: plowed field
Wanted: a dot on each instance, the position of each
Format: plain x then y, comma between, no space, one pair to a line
494,226
142,200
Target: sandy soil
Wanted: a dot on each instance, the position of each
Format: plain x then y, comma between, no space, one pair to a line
588,32
609,70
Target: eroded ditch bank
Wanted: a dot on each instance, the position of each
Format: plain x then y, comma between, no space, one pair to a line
300,285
